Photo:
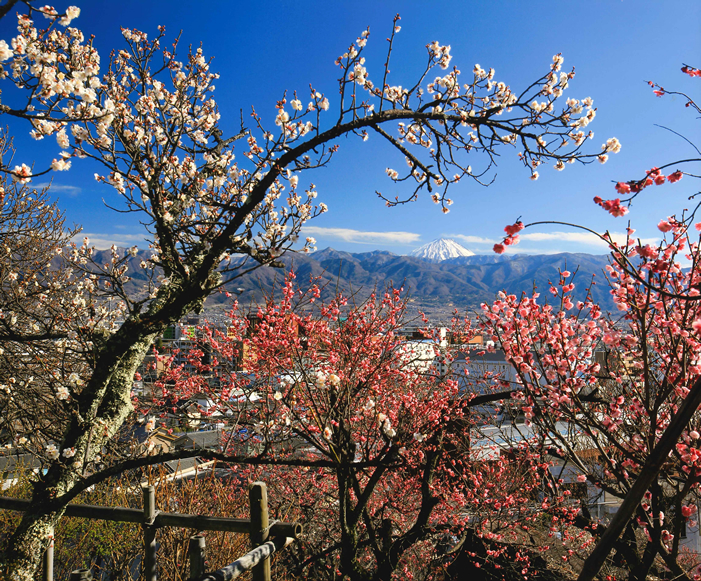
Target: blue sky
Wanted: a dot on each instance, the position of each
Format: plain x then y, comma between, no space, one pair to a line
266,47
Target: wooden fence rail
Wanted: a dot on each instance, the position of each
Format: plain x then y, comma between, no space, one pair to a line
265,538
247,562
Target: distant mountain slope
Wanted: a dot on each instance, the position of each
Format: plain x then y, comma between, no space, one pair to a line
453,280
464,281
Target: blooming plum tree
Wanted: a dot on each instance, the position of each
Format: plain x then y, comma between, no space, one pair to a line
334,382
621,407
42,309
633,411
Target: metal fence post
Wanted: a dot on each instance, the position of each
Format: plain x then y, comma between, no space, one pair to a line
258,499
149,561
48,572
196,552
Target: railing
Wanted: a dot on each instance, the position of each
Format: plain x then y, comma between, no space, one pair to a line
266,538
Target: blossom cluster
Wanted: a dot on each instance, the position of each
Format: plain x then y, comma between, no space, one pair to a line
616,206
511,237
691,71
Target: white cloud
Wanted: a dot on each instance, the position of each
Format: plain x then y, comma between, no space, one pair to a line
553,242
70,190
514,250
362,237
584,238
472,239
102,241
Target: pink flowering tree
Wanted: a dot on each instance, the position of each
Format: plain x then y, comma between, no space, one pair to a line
609,414
367,443
151,125
616,395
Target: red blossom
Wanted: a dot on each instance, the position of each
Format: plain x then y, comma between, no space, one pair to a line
514,228
674,177
499,248
621,188
691,71
647,251
614,207
664,226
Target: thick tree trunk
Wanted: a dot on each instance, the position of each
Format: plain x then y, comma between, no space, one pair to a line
28,544
639,573
104,412
648,474
104,404
349,531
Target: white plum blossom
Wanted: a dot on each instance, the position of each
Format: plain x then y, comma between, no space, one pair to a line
386,425
21,173
387,429
282,118
320,379
52,451
5,51
60,165
71,13
558,59
612,145
62,139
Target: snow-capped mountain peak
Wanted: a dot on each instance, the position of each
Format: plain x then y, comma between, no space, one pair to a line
440,250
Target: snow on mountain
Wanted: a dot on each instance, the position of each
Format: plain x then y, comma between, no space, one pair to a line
440,250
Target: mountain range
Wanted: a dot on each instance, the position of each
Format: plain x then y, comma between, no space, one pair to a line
434,285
